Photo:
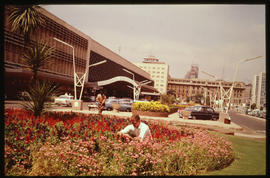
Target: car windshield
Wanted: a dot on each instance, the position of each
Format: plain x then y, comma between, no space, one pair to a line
66,97
197,108
193,108
125,101
189,108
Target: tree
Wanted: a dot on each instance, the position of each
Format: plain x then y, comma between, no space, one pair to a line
37,56
167,99
38,95
253,106
25,19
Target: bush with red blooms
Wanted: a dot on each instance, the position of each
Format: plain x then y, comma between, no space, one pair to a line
72,144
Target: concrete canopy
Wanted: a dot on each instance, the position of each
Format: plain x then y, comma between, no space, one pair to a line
111,76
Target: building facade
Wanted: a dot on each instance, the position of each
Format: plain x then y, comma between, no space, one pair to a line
247,93
159,72
193,72
85,51
184,88
259,90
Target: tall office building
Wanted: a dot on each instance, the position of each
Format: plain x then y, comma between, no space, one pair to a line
259,90
158,71
193,73
247,93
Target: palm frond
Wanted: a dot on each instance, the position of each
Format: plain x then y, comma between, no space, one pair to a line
38,96
25,19
37,56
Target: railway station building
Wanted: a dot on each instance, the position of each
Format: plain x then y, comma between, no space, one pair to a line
115,77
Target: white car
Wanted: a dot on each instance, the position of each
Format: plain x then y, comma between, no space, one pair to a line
64,100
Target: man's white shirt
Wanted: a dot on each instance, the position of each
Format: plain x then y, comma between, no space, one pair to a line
142,131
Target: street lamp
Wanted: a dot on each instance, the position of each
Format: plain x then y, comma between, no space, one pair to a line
86,73
98,63
81,80
133,77
235,74
73,59
222,95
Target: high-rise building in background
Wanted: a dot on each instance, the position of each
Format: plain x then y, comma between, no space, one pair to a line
158,71
193,73
247,93
259,90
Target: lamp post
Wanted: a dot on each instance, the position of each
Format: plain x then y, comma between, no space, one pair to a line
133,77
73,59
79,81
235,74
86,73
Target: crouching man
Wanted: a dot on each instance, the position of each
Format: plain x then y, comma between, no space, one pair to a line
136,131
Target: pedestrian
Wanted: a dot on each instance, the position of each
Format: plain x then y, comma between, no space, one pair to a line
101,99
137,130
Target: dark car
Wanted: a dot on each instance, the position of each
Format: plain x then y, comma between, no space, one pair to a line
199,112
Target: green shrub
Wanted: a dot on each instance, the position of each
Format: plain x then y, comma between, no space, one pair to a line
150,106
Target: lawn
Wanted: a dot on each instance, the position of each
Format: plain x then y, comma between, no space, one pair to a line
250,157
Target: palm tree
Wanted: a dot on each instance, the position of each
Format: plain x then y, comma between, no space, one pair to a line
37,56
38,95
25,19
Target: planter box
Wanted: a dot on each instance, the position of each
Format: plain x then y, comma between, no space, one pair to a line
116,107
149,113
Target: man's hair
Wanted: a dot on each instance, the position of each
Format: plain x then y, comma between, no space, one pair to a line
135,117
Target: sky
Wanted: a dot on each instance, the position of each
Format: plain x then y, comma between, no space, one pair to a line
214,37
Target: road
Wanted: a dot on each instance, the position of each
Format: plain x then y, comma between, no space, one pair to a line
249,124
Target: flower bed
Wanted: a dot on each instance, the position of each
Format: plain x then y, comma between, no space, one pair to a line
72,144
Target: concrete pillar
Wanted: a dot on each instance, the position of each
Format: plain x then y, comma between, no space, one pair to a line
77,104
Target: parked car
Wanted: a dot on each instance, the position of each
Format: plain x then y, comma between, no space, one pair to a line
199,112
64,100
255,112
109,102
249,111
125,104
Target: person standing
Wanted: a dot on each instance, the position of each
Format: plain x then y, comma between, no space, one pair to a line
101,99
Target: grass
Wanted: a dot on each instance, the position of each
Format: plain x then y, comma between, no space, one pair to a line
250,157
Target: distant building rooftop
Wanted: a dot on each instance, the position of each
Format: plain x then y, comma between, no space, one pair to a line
152,59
